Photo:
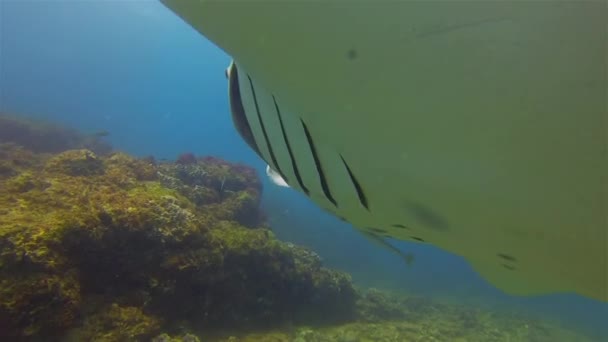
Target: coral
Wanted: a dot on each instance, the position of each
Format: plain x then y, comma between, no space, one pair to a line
184,338
227,191
15,159
40,303
116,323
76,163
240,277
65,228
77,225
136,169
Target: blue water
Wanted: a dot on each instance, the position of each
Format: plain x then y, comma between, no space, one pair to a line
136,70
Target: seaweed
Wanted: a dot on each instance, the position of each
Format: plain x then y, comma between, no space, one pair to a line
76,225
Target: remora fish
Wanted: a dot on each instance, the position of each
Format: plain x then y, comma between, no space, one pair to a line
478,127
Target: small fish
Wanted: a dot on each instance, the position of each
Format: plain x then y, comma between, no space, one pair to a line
471,126
275,177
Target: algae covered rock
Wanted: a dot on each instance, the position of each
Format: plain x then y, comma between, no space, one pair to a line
44,206
184,338
39,303
239,277
165,243
228,191
15,159
117,323
126,170
375,305
76,163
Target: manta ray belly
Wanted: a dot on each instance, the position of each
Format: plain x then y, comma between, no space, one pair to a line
478,127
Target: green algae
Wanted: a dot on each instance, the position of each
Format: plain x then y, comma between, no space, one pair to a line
226,191
39,303
15,159
184,338
75,163
404,322
78,225
116,323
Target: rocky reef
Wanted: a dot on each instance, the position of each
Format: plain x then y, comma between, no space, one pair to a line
391,317
112,248
97,245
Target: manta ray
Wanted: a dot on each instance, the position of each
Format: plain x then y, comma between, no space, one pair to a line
479,127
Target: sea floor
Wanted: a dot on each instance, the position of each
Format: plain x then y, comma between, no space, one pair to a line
433,322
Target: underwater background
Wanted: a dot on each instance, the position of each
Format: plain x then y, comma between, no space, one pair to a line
136,71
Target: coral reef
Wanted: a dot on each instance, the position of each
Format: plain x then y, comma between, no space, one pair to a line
184,338
228,191
170,245
116,323
252,280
